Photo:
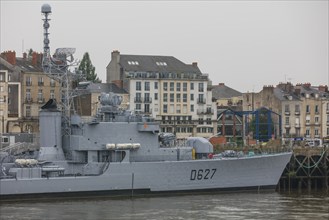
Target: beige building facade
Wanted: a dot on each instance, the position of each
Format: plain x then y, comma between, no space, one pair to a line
28,89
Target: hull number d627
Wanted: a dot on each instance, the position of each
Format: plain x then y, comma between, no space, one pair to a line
202,174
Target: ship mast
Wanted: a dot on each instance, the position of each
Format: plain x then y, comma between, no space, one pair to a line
58,68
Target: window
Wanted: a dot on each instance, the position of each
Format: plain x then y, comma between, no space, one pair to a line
287,120
172,86
138,97
184,110
307,132
286,108
147,86
52,94
316,109
165,108
307,109
192,86
178,86
147,97
2,77
178,109
165,86
296,108
40,81
138,86
316,131
133,63
185,87
52,83
40,95
208,121
1,89
161,63
9,89
28,111
316,119
138,106
178,97
192,108
165,97
200,121
201,89
184,97
201,99
192,97
155,96
172,97
28,94
147,108
155,85
28,81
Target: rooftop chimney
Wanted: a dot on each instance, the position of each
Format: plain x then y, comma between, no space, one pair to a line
10,57
115,56
195,64
323,88
34,58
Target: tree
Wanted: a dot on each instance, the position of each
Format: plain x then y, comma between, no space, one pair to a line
87,68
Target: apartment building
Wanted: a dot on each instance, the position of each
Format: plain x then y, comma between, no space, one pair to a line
176,94
3,98
28,89
303,108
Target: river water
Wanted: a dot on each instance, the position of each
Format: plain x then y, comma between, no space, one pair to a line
264,205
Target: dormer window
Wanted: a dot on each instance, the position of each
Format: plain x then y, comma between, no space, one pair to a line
161,63
133,63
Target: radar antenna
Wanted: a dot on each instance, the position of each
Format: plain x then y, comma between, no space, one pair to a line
58,68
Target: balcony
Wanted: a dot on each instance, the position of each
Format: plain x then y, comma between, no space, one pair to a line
41,100
205,111
297,112
147,100
40,83
143,112
201,101
28,83
287,112
28,100
287,125
297,125
317,112
52,84
138,100
327,123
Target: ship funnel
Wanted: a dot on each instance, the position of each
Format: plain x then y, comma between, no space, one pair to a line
51,104
50,132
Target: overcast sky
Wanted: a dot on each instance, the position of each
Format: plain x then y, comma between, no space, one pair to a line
244,44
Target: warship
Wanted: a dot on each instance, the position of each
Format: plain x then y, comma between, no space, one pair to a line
121,153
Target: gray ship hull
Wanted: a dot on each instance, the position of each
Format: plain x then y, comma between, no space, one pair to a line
135,178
